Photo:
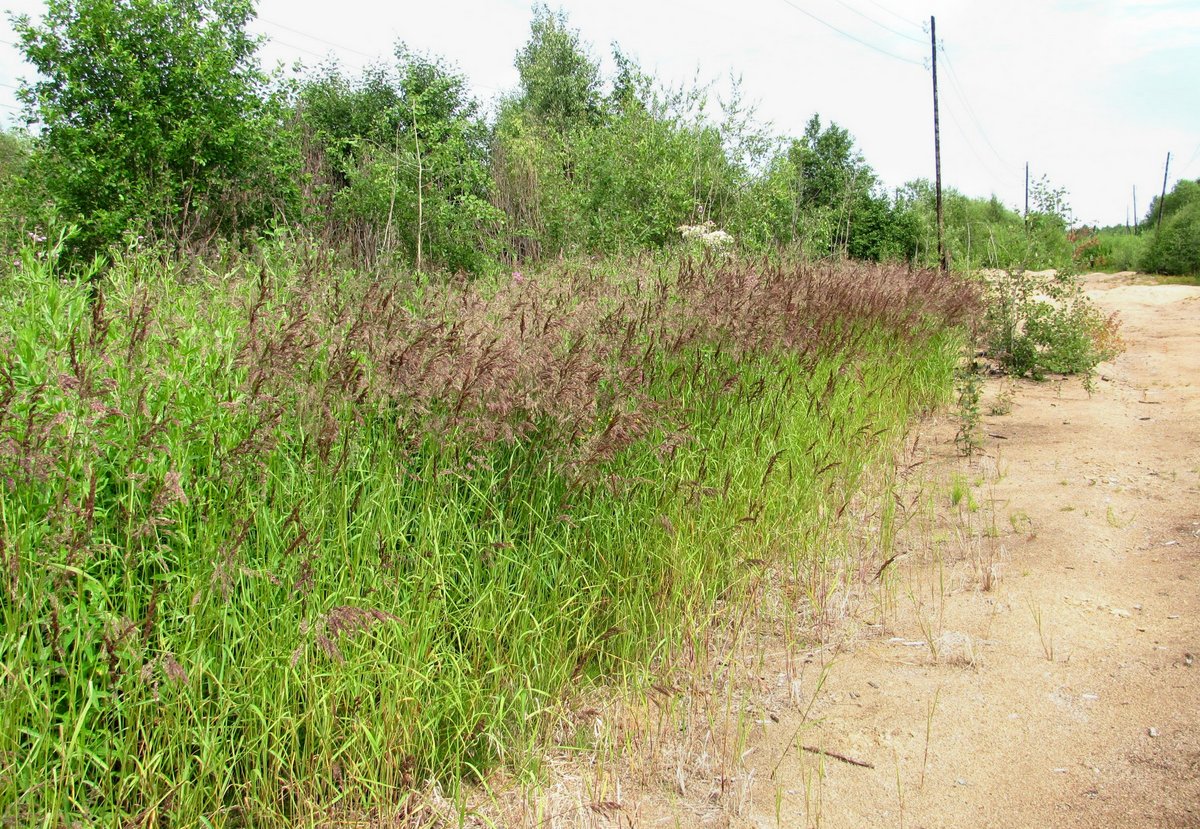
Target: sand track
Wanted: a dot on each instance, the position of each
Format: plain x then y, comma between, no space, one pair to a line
1069,693
1031,660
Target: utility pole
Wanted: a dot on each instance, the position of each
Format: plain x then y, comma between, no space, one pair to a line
937,151
1163,197
1026,196
1137,222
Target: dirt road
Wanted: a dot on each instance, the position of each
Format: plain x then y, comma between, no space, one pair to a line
1031,660
1040,666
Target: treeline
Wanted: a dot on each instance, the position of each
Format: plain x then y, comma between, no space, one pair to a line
1169,244
156,119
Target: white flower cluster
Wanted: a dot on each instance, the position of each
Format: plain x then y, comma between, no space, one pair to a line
707,234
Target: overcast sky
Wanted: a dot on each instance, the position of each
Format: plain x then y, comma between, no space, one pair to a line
1092,93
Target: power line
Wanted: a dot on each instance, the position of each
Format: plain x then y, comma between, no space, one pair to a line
312,52
900,17
984,163
849,36
883,26
330,43
353,65
958,90
1195,155
319,39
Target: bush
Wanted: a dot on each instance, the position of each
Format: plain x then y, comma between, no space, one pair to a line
1112,250
622,185
985,233
1175,249
399,156
23,200
1037,323
155,115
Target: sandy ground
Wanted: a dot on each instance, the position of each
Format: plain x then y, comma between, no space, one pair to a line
1026,662
1067,693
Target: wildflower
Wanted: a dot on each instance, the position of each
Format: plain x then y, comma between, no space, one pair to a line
707,234
717,239
518,277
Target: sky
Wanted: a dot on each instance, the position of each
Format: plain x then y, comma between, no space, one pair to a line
1092,94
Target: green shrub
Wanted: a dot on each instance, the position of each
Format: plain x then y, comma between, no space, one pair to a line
399,157
23,199
1037,323
1175,249
155,115
1112,250
985,233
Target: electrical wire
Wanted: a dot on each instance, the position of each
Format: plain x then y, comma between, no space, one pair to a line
1195,155
849,36
993,176
899,17
298,48
883,26
957,88
319,39
330,43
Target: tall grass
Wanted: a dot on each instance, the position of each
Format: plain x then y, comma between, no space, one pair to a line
1114,250
279,538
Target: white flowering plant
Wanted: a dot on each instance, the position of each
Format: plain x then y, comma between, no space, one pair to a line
708,235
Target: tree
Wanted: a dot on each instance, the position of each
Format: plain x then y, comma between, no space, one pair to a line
1175,248
21,194
402,157
834,190
831,171
154,114
560,82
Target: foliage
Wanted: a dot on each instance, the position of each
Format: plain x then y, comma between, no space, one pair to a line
818,193
830,172
154,114
984,233
167,123
399,157
1175,248
969,388
622,185
23,200
1113,249
560,82
1037,323
1049,219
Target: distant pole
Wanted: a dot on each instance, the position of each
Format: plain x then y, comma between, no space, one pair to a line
1163,197
1027,196
937,151
1137,222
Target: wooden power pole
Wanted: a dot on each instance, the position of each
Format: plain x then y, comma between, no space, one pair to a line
1163,197
1026,196
937,151
1137,222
